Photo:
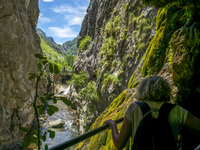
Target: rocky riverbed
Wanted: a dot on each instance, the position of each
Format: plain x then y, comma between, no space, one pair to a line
67,124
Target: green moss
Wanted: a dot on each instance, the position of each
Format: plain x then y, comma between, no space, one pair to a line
155,54
132,82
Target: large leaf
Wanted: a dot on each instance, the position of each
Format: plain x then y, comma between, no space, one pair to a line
51,68
51,134
50,112
39,56
66,101
54,108
23,129
44,136
35,132
43,100
54,100
56,70
46,147
45,62
49,95
35,140
32,76
41,110
26,141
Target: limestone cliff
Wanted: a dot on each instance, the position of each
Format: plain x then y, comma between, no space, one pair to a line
172,51
121,30
18,44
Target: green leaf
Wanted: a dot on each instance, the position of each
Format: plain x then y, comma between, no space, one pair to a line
51,67
23,129
26,141
46,147
41,137
56,70
41,110
32,76
39,56
51,134
54,100
39,106
43,100
44,136
35,140
66,101
35,132
54,108
50,112
45,62
49,95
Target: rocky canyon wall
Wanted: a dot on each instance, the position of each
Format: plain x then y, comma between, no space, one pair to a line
128,45
18,44
121,31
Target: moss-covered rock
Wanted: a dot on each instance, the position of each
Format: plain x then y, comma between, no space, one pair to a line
169,19
116,110
173,53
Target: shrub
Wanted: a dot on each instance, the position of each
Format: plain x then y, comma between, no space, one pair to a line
89,94
85,43
79,80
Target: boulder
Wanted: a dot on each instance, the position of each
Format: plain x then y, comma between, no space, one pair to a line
57,123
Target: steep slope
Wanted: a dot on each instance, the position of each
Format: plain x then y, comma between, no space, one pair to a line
50,41
172,53
43,34
121,32
70,47
52,54
62,56
18,44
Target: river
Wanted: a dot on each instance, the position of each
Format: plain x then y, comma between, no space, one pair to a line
69,129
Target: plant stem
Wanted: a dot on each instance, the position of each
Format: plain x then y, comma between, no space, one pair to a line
36,113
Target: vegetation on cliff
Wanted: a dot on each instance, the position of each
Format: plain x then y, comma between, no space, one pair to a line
62,60
172,53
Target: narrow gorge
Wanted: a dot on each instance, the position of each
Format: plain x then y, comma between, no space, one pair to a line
120,43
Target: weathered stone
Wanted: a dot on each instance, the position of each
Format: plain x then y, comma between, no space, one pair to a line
57,123
18,44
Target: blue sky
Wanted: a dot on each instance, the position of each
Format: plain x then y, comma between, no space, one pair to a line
62,19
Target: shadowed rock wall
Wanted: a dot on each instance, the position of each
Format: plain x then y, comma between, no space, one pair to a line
18,44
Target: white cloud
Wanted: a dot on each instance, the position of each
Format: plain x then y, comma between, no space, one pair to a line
43,20
48,0
69,9
74,20
65,32
73,15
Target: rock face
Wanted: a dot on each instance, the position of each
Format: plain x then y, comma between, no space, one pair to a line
171,51
121,31
18,44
